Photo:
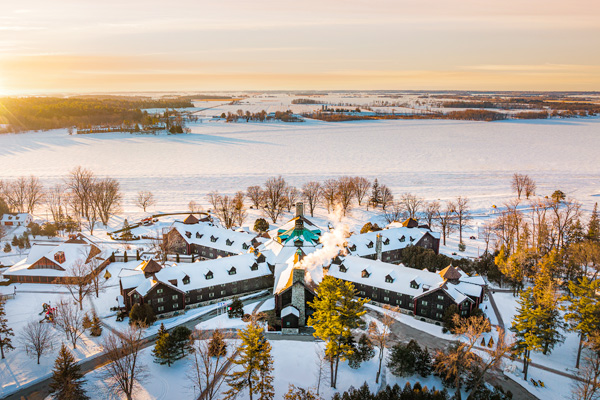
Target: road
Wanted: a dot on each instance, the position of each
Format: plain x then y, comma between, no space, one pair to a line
40,390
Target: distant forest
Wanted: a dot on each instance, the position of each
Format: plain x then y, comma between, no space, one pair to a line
42,113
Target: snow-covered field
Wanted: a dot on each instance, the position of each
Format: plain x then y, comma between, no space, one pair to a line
434,159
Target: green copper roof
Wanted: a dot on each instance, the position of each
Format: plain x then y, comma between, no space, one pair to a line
291,235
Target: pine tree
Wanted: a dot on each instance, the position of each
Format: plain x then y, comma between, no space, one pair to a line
375,193
236,308
583,310
182,340
256,365
7,248
164,350
5,332
67,380
337,313
95,327
593,232
217,347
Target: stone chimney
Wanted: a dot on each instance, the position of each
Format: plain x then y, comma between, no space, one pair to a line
298,295
299,209
299,225
378,247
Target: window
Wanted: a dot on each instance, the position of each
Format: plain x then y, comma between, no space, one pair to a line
402,239
188,234
175,297
388,258
386,299
362,293
353,247
211,255
135,295
229,242
424,302
209,275
343,268
254,267
440,306
370,245
463,312
161,308
211,295
186,280
365,273
213,239
231,271
203,253
198,235
438,315
160,299
244,246
386,241
414,285
440,297
389,279
223,293
159,291
199,298
175,305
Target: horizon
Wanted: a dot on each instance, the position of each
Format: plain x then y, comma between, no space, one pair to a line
75,47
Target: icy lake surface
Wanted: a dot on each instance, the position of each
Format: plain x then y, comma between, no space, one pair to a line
435,159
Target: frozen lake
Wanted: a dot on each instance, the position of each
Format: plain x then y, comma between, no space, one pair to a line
435,159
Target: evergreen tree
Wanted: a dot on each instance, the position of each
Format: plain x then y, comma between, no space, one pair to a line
583,310
375,193
593,232
165,350
337,313
256,365
362,351
182,340
408,359
7,248
261,225
142,314
217,347
236,308
5,332
67,380
95,327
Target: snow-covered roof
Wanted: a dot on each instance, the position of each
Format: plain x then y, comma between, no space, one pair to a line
200,273
208,235
290,310
22,217
66,255
394,238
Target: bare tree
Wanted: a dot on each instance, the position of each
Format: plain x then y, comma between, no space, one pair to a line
291,197
394,212
530,187
194,207
518,183
166,243
224,208
311,192
380,334
96,281
587,387
446,220
209,364
322,372
69,318
431,210
274,197
386,196
412,204
463,214
256,195
57,202
361,188
487,233
106,196
564,214
329,193
81,183
78,281
239,208
124,372
34,193
37,338
16,194
145,199
345,193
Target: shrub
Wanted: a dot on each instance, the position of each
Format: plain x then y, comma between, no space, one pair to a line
236,308
142,315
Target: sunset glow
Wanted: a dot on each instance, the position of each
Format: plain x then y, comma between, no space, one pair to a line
74,46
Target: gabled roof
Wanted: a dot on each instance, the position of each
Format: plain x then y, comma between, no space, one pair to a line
21,217
450,273
191,220
363,244
150,267
201,234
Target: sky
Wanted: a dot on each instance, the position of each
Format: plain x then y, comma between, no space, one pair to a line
65,46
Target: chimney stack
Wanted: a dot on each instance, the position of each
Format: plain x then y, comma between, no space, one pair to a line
299,209
378,247
298,275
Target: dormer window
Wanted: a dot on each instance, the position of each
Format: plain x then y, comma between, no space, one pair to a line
213,239
343,268
254,267
365,273
245,246
389,279
231,271
353,247
188,234
414,284
386,241
209,275
370,245
186,280
412,239
198,235
402,239
229,242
